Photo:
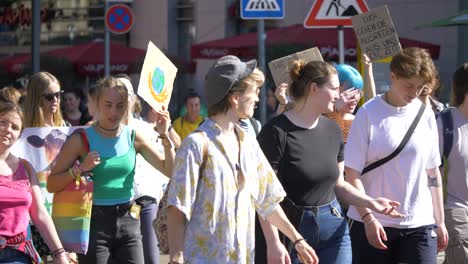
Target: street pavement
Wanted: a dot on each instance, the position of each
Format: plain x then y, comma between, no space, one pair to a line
165,259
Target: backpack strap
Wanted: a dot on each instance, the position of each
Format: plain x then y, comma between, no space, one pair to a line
447,131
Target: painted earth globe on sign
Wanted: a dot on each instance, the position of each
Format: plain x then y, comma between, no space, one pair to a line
157,80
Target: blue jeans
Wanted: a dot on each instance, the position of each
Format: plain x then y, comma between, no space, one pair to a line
326,230
13,256
411,245
149,210
114,236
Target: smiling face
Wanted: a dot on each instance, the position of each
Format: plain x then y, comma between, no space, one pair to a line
50,99
111,107
406,89
327,94
10,128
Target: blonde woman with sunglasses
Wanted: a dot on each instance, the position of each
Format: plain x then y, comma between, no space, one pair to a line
42,104
42,109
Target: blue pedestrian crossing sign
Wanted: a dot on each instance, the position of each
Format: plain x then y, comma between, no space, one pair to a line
262,9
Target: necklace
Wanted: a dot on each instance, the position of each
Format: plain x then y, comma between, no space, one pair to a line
386,98
105,129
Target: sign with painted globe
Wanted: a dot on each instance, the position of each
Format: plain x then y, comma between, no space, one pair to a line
156,78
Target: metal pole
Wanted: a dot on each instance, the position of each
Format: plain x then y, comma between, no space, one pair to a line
106,46
36,35
341,47
262,66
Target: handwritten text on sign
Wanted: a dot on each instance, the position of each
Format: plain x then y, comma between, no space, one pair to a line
376,33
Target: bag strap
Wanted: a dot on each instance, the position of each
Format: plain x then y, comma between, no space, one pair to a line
27,166
84,139
400,147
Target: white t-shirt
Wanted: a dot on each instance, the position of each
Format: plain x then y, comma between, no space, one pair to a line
148,180
376,132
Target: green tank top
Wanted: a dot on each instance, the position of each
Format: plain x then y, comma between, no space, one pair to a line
113,177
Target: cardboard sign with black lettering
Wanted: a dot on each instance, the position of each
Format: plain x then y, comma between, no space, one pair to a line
376,33
279,67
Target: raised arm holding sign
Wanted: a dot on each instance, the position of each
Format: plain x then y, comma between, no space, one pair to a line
376,33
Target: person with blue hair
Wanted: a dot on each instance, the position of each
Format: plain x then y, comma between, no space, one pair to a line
349,77
351,84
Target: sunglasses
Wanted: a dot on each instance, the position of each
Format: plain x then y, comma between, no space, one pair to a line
50,96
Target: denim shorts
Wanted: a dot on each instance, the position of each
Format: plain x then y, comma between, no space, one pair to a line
410,245
326,230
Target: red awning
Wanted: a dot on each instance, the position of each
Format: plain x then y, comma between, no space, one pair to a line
88,59
326,39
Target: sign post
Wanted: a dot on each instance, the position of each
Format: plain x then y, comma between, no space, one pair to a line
326,14
260,10
119,20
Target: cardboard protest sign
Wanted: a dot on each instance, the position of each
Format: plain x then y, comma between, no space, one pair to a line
156,78
280,67
376,33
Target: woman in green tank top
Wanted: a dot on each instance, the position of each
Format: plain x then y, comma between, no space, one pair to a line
115,226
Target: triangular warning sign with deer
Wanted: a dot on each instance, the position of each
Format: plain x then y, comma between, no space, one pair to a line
332,13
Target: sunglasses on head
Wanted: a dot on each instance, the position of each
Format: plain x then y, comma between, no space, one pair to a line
50,96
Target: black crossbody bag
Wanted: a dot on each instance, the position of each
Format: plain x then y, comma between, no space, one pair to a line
400,147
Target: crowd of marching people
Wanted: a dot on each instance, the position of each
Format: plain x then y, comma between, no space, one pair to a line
326,179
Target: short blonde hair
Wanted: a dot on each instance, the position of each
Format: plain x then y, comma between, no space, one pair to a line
414,62
256,78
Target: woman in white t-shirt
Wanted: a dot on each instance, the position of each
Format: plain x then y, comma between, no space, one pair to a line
411,178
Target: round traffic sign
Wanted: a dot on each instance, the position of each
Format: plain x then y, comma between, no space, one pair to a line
119,19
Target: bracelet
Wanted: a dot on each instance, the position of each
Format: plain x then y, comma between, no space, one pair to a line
71,173
166,142
370,221
364,216
282,104
77,172
298,240
57,252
